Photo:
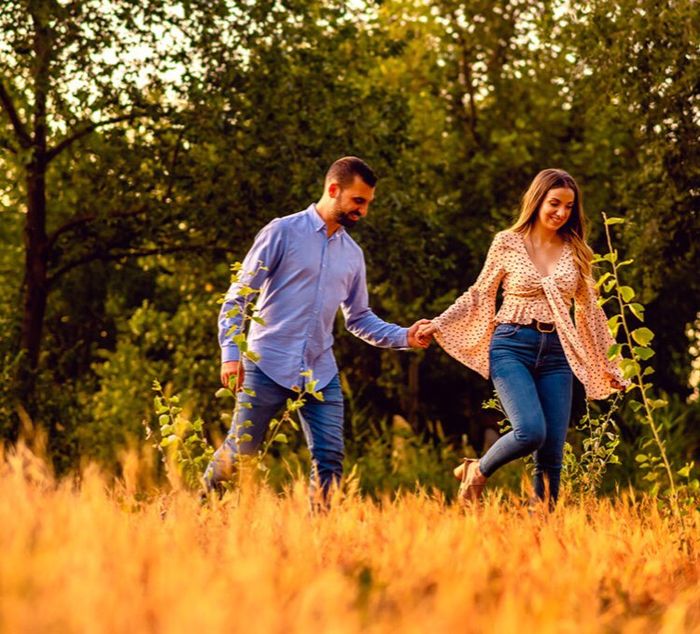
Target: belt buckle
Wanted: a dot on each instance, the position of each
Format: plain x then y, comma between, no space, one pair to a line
540,324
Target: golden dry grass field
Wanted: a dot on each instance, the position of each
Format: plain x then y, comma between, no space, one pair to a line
88,557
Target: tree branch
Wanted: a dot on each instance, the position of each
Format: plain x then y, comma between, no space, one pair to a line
6,145
9,106
82,220
88,129
106,255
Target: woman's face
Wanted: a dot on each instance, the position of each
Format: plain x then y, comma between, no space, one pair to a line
556,208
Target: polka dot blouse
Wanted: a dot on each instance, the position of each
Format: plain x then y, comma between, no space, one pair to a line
464,330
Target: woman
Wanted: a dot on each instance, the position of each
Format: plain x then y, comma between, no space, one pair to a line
531,347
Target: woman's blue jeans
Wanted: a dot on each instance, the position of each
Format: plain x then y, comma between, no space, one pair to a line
321,422
534,384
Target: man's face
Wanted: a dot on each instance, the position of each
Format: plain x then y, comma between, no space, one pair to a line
351,203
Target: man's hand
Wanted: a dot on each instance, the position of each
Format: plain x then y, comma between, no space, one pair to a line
232,374
416,340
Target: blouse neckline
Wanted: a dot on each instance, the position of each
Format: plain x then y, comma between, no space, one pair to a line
532,263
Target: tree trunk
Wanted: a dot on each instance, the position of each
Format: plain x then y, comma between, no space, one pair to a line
35,278
35,238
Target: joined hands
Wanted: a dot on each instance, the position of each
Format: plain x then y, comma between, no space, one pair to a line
421,333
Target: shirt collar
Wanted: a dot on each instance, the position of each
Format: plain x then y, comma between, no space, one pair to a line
319,223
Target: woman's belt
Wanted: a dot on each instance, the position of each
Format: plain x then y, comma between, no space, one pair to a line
541,326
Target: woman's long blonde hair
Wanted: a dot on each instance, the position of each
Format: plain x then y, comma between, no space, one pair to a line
574,231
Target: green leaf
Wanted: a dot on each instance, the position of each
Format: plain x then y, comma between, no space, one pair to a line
252,356
635,405
258,320
637,310
168,440
685,471
223,392
608,286
602,279
648,370
159,406
610,257
624,263
614,350
629,368
245,438
614,221
244,291
642,336
640,457
280,438
658,403
643,353
163,419
627,293
249,391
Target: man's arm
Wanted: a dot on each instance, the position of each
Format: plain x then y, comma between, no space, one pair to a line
363,323
260,262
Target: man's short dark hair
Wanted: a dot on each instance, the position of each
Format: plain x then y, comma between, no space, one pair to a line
345,169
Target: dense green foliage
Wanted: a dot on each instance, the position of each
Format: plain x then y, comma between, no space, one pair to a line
165,134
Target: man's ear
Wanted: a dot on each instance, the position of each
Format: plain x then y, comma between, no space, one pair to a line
333,190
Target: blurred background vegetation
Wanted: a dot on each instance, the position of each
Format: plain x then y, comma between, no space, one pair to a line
143,143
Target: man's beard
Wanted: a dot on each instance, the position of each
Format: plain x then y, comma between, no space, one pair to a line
346,218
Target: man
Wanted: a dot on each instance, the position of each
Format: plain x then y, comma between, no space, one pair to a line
310,267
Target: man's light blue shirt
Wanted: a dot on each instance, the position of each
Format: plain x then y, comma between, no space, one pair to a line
309,275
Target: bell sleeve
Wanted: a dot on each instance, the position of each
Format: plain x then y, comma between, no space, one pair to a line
464,330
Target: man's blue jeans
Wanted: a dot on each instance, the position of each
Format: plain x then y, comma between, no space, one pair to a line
321,421
534,384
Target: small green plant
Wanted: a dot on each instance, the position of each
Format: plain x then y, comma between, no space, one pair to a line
584,474
635,351
180,438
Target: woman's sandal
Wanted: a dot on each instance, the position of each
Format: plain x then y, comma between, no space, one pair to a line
473,481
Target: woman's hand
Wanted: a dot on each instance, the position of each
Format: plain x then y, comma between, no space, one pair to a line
425,333
617,384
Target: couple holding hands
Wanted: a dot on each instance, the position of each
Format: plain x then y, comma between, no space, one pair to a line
531,347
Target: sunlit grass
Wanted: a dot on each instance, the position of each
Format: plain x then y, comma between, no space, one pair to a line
84,555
